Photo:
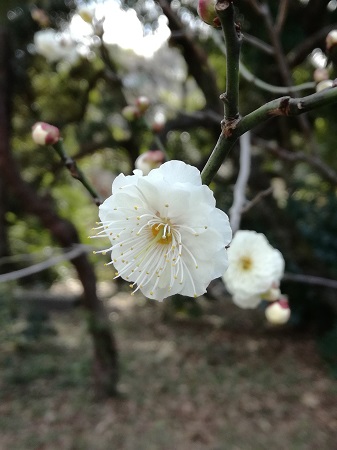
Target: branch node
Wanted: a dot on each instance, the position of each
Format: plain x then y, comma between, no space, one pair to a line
228,126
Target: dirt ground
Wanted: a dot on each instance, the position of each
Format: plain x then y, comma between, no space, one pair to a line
223,381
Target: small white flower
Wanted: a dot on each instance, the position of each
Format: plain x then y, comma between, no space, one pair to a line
167,235
255,268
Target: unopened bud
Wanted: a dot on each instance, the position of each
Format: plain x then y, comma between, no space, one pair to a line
278,313
331,39
142,103
45,134
131,113
206,11
325,84
158,122
320,74
40,17
150,160
86,14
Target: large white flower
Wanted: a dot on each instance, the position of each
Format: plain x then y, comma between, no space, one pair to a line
167,235
255,268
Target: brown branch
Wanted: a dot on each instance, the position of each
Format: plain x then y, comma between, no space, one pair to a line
281,15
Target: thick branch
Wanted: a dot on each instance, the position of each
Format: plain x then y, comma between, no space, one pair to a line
284,106
232,34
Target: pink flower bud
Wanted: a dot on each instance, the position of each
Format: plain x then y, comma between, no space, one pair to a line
41,17
45,134
331,39
206,11
278,313
320,74
131,113
158,123
142,103
150,160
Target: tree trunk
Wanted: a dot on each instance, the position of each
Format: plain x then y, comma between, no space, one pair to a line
63,231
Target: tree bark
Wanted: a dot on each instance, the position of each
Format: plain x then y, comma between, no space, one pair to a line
63,231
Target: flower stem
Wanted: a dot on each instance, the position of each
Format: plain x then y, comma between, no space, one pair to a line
75,171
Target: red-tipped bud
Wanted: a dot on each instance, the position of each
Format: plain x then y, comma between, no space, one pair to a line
45,134
278,313
150,160
206,11
131,113
142,103
331,39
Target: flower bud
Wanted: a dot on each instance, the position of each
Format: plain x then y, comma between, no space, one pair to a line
206,11
278,313
320,74
142,103
40,17
322,85
158,123
45,134
131,113
150,160
331,39
86,13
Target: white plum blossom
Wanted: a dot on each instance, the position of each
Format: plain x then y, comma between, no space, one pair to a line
56,46
255,269
167,237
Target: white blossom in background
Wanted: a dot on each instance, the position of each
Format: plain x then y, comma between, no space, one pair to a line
255,269
167,237
56,46
150,160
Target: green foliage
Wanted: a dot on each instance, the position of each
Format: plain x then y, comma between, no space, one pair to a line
313,205
328,348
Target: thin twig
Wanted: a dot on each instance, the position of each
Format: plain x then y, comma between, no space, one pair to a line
239,198
76,251
256,199
310,279
281,15
75,172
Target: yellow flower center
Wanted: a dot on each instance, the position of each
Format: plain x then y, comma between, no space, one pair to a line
246,263
162,233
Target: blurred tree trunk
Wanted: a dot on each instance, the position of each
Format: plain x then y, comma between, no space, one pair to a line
4,140
105,350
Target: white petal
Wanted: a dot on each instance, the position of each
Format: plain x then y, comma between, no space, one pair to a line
177,172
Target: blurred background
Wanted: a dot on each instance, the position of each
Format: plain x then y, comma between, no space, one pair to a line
83,364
